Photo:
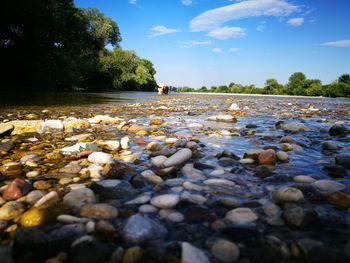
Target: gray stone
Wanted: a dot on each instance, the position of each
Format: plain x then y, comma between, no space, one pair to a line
225,251
7,146
328,186
114,189
343,160
139,229
79,197
287,195
179,158
294,127
191,254
241,216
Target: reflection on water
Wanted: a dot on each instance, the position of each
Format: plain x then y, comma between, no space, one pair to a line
70,98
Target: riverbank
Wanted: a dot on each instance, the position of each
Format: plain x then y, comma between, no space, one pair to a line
178,178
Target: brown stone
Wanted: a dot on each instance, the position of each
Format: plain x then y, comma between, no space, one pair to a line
42,185
16,189
99,211
338,198
267,157
12,168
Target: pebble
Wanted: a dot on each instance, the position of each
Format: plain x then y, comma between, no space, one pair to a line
11,210
331,146
7,146
141,199
152,177
175,217
52,124
179,158
32,174
79,197
124,143
305,179
156,121
288,195
165,201
49,198
295,127
71,168
219,182
99,211
267,157
69,219
154,147
100,158
338,129
191,254
241,216
78,137
223,118
6,129
282,156
34,196
148,209
158,161
139,229
34,217
225,251
11,169
16,189
343,160
79,147
328,186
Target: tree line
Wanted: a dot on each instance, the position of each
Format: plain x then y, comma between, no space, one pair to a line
52,44
297,84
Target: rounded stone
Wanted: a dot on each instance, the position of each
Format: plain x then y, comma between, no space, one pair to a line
79,197
100,157
148,209
158,160
165,201
175,217
304,179
241,216
328,186
282,156
34,196
154,147
179,158
11,169
16,189
11,210
99,211
6,129
33,217
267,157
287,195
225,251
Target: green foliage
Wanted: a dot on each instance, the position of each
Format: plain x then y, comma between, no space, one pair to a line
51,44
272,87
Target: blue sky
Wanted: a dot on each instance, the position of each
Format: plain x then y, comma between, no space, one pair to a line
214,42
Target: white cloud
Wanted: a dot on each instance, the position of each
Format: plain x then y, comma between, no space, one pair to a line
261,27
217,50
186,2
340,43
161,30
251,8
193,43
227,33
298,21
233,49
133,2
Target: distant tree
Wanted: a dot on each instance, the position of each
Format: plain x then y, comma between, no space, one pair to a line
296,84
272,87
314,88
345,78
203,89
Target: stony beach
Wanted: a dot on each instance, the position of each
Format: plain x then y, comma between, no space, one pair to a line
179,178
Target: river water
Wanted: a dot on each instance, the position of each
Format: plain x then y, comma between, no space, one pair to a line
315,229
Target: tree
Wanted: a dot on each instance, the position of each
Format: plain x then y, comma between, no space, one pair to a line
314,88
272,87
296,84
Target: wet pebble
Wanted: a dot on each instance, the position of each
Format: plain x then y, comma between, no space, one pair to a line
99,211
226,251
11,210
241,216
165,201
100,158
287,195
179,158
16,189
79,197
11,169
191,254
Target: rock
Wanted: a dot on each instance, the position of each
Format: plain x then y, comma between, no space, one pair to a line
111,145
99,211
42,184
11,169
71,168
88,250
338,198
139,229
294,127
7,146
338,129
156,121
343,160
79,137
165,201
148,209
193,198
6,255
330,146
114,189
75,199
100,157
151,177
29,158
282,156
328,186
264,171
304,179
158,160
6,129
286,147
223,118
288,195
227,162
11,210
16,189
267,157
225,251
190,172
141,199
154,147
335,171
52,124
105,119
34,196
25,126
124,142
132,255
219,182
75,123
48,199
179,158
191,186
79,147
234,106
241,216
299,216
191,254
34,217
